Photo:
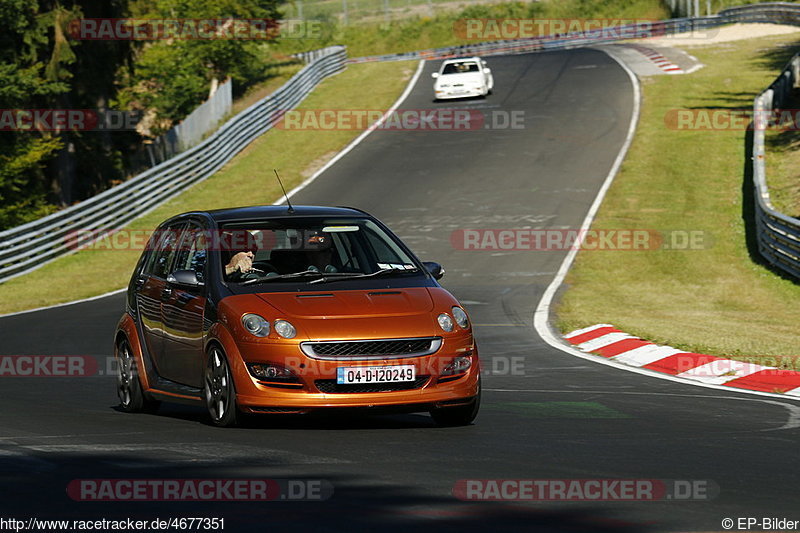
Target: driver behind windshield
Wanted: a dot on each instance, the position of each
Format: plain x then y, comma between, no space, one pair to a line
238,248
311,250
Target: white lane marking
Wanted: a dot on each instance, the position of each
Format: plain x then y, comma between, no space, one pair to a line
792,421
644,355
412,82
586,330
794,416
694,68
117,291
605,340
541,316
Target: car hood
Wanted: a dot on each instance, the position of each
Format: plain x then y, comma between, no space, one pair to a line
464,78
375,303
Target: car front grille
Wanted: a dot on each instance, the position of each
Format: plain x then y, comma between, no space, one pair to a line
329,386
371,349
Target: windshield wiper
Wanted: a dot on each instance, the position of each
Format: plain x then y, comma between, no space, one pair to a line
343,275
301,274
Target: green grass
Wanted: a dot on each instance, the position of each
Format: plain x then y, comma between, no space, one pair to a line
246,180
716,300
419,32
365,12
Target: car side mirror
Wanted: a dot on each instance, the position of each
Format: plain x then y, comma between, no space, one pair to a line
435,75
487,71
435,269
185,278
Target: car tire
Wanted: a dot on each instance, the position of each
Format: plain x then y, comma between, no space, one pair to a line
132,398
462,415
218,390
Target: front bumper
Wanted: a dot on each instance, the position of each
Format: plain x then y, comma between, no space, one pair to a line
448,94
432,389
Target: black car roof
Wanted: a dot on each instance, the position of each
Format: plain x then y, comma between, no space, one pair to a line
279,211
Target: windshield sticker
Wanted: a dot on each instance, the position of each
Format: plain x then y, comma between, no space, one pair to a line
395,266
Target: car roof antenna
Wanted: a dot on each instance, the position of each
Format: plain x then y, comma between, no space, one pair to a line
291,209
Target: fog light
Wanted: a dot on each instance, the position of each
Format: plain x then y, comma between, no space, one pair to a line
457,366
272,372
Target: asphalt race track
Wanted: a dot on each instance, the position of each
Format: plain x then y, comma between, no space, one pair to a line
553,416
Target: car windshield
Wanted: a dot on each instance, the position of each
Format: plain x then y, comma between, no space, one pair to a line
305,249
461,67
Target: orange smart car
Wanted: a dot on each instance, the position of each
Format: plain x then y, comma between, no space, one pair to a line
289,310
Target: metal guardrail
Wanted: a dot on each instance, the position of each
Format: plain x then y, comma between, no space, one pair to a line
778,235
29,246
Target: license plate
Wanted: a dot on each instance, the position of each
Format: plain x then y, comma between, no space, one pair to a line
375,374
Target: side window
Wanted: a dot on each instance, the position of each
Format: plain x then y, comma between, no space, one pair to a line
192,252
166,246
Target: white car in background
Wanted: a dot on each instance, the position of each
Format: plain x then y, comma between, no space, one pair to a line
462,78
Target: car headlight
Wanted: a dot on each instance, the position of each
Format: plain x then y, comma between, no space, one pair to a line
255,324
445,322
461,317
285,329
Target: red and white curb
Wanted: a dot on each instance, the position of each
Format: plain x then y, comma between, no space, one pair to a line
658,59
607,341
